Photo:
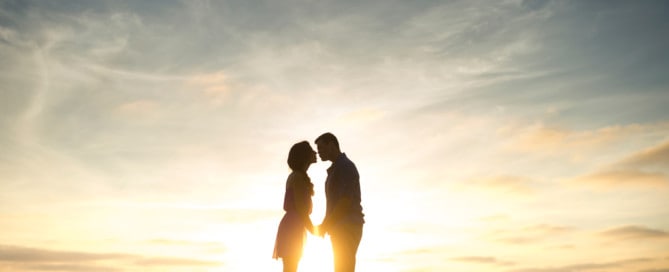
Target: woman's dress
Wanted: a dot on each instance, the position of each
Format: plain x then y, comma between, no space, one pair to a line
292,230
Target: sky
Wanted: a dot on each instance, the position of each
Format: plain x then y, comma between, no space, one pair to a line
513,136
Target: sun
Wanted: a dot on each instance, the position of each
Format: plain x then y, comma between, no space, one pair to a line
317,255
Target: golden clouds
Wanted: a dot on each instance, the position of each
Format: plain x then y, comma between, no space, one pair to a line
645,168
530,234
482,260
363,115
634,232
624,177
553,140
656,156
39,259
506,184
597,152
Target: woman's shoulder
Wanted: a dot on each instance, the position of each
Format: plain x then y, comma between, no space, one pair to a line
297,177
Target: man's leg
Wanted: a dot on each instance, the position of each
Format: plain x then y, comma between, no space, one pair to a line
345,240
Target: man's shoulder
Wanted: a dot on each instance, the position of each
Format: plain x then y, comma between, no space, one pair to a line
344,160
346,166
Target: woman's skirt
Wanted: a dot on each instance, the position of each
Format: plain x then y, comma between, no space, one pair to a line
290,237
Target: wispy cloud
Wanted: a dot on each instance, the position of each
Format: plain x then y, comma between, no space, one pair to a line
635,232
654,157
548,140
26,254
618,265
505,184
209,247
640,169
482,260
624,178
530,234
65,267
162,261
138,109
47,260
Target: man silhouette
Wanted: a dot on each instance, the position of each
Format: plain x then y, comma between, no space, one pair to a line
343,217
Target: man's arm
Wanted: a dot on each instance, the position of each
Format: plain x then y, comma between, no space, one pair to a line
342,205
347,179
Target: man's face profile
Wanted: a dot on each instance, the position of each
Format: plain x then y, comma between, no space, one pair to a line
323,150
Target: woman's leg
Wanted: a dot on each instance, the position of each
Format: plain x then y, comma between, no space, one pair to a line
290,264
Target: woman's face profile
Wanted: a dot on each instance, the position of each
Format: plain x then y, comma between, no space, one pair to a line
312,156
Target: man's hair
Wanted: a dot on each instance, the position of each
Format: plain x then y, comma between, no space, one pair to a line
298,157
327,138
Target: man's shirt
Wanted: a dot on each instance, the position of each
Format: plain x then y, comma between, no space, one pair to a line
343,181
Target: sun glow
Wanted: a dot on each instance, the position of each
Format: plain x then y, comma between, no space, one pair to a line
317,255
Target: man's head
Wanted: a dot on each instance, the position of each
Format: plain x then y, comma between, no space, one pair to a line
328,147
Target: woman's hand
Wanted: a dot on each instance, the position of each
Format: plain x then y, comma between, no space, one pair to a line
321,230
311,229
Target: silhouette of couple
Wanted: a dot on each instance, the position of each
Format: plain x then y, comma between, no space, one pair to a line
343,217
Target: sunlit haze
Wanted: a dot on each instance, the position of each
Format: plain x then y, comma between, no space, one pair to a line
513,136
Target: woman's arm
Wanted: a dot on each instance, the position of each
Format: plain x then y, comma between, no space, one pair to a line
300,194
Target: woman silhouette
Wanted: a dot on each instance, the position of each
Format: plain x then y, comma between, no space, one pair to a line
297,204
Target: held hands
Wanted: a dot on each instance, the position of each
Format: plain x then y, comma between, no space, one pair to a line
320,230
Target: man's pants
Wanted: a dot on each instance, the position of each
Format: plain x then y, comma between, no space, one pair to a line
345,239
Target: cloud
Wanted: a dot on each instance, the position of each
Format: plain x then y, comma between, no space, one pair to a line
174,262
644,169
530,234
57,260
138,108
566,68
25,254
619,265
215,86
657,156
506,184
543,139
68,267
181,242
624,178
363,115
214,247
635,232
496,218
482,260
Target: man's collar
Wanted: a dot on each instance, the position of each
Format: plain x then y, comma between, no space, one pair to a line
339,158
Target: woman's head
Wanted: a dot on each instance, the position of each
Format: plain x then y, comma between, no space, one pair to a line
301,155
